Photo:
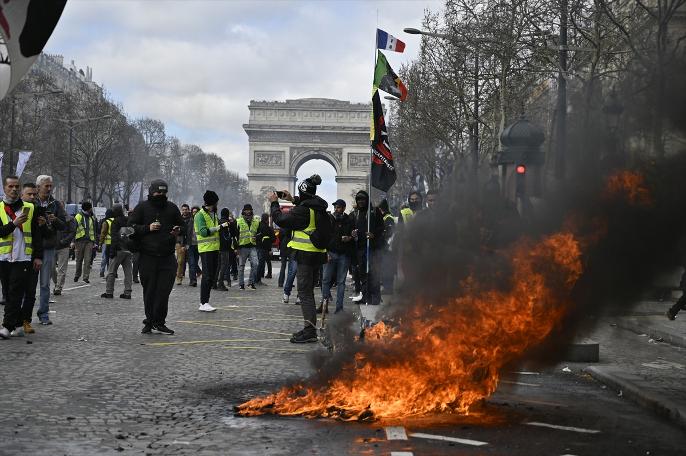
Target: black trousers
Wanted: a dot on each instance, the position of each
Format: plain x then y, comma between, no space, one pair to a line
306,276
210,263
157,278
369,282
29,300
15,278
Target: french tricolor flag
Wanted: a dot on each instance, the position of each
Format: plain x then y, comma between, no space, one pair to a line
388,42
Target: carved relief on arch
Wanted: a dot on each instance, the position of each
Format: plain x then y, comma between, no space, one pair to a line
299,155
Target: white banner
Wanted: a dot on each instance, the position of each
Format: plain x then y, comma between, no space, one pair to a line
135,195
2,187
24,156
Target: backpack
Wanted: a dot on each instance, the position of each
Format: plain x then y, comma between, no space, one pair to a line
127,239
321,237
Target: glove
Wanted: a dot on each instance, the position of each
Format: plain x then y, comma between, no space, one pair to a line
214,229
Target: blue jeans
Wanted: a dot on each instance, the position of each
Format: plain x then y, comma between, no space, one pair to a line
336,267
193,256
105,259
290,277
45,272
245,254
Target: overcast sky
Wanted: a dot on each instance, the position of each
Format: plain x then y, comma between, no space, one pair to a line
196,64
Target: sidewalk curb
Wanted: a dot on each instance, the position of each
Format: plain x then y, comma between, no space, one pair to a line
655,403
633,326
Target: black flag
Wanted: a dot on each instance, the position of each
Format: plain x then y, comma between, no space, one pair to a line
383,170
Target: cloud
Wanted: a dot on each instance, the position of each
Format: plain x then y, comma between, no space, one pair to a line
195,65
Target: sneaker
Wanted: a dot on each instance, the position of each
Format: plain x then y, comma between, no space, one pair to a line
52,301
102,274
147,329
76,279
193,284
670,315
268,276
4,333
28,329
107,295
86,281
46,322
162,329
357,298
125,296
18,332
57,292
304,337
178,281
285,298
222,287
242,287
252,287
206,308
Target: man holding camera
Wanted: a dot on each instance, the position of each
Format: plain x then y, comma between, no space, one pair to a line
156,223
305,220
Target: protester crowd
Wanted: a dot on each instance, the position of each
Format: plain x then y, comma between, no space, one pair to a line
158,244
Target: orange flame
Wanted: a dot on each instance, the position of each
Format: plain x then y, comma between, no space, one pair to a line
444,358
628,185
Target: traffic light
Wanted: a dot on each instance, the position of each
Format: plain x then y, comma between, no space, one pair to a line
520,174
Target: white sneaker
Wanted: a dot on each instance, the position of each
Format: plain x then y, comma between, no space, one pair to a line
206,308
285,298
357,298
4,333
18,332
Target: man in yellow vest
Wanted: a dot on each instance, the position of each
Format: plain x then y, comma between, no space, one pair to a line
248,226
414,202
21,253
307,217
206,225
84,241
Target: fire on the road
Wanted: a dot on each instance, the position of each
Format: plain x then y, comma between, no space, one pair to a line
444,358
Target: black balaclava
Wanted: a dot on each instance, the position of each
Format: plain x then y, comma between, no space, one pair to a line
417,204
362,195
158,185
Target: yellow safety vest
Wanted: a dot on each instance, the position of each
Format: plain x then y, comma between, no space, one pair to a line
388,216
407,214
207,243
108,238
81,227
6,242
246,234
301,239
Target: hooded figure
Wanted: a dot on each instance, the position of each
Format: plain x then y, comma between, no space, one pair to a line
363,232
309,208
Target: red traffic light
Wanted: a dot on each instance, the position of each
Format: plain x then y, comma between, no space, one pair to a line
521,169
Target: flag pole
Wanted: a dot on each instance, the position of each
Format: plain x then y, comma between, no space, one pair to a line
371,158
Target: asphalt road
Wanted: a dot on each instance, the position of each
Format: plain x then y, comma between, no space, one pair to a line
92,384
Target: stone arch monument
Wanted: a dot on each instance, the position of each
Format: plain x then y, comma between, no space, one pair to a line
284,135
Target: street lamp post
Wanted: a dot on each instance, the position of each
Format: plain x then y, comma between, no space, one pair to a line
71,124
474,127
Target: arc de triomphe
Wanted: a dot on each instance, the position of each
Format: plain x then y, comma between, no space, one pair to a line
285,135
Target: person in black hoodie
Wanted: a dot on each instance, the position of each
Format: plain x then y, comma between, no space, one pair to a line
369,280
226,238
119,255
156,222
265,238
339,251
309,209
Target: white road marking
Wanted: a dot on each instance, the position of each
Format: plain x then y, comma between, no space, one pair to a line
518,383
395,433
526,373
402,453
80,286
448,439
563,428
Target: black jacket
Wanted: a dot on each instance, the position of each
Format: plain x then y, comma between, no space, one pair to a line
116,225
51,232
182,238
36,231
298,219
359,220
156,243
265,231
66,236
227,236
341,227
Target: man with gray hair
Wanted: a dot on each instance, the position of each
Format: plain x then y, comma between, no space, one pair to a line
55,223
